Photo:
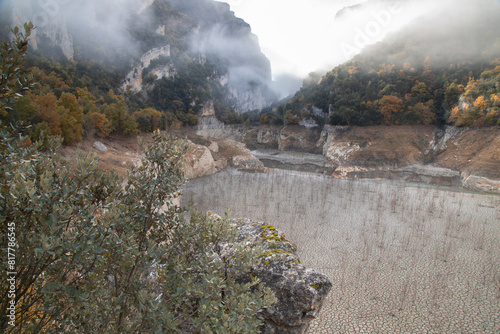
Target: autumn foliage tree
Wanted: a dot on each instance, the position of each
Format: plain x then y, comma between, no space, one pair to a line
71,118
481,102
148,119
390,105
98,124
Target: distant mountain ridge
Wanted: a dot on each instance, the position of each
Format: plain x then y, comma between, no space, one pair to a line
417,75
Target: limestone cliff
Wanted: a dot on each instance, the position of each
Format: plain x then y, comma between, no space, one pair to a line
51,26
222,38
134,79
199,44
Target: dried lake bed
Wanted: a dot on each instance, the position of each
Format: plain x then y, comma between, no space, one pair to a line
403,258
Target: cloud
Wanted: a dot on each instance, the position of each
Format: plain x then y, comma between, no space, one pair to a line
307,35
226,39
101,22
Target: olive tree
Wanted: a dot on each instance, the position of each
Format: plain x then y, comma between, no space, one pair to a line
12,84
98,254
85,251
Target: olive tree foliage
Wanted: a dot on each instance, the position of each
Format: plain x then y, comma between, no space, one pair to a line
98,254
12,84
95,253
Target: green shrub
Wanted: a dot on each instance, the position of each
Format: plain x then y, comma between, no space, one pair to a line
98,254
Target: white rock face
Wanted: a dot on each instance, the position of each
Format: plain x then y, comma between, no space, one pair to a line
145,5
208,109
214,147
49,25
134,78
474,182
451,132
248,100
341,152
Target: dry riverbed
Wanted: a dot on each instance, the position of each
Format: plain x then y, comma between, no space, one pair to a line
402,258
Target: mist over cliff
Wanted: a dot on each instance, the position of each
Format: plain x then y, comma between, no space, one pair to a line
119,34
407,63
445,30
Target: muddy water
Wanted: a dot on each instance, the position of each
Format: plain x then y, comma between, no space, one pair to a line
403,259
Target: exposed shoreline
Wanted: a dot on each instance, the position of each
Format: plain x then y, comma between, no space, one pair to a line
403,257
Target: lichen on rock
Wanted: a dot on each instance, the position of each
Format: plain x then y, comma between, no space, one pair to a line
300,291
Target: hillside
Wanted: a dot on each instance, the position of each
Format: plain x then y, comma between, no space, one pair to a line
454,157
137,66
442,68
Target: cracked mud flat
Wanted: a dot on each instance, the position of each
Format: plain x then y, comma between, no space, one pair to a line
402,259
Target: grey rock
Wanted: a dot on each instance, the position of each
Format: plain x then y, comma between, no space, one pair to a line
100,146
300,291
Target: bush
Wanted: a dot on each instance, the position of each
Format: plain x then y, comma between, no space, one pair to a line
98,254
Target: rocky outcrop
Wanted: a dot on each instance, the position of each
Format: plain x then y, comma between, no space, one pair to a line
452,156
300,291
284,138
235,154
262,137
134,79
198,161
208,109
377,146
213,155
480,183
300,138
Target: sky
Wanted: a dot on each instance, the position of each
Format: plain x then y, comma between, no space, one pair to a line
302,36
291,32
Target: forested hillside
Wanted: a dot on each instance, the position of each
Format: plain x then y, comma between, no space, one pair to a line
102,69
441,69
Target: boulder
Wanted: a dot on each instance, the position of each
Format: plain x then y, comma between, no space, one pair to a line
235,154
300,291
198,161
213,147
100,146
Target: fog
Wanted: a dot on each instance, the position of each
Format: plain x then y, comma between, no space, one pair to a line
109,17
229,40
313,36
298,37
101,24
236,47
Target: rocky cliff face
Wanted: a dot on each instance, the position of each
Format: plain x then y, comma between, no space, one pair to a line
220,35
134,79
211,155
457,157
51,26
156,39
